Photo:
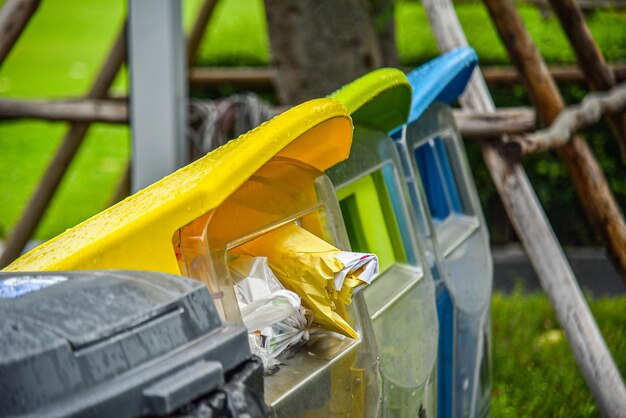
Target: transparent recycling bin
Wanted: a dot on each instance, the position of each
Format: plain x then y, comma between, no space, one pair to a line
330,374
444,194
377,212
192,222
121,344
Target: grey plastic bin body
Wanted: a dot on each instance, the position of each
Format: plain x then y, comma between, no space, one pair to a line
120,344
401,300
453,227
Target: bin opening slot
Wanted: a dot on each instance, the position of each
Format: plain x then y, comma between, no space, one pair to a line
439,180
280,192
446,191
323,276
370,219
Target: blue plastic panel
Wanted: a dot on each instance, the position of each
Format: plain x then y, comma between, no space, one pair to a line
440,183
441,190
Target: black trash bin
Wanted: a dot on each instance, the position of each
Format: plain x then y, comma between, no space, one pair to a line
121,344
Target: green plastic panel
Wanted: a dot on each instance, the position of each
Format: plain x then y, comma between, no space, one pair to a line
380,99
370,220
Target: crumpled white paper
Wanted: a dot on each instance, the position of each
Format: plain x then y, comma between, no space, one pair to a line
273,315
353,262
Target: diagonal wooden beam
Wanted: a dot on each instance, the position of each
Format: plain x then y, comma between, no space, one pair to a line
47,187
194,40
594,193
51,179
590,59
537,236
14,16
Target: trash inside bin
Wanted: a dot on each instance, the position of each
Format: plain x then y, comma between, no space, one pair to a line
452,223
190,221
330,374
274,316
313,269
377,210
121,344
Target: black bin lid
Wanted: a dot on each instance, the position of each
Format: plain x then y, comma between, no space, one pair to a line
106,341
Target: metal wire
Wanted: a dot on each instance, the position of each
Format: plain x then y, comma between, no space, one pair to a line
208,127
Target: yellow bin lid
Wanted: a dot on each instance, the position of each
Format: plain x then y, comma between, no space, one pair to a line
137,232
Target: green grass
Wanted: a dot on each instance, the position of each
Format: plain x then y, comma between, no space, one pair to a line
236,35
608,28
534,371
58,55
245,22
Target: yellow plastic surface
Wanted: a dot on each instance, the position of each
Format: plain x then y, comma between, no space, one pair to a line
305,264
137,232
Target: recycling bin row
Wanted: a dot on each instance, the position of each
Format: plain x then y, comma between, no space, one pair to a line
341,243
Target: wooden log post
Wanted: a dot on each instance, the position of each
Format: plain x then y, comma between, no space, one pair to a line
537,236
497,76
255,78
590,60
515,120
14,16
72,110
260,78
51,179
595,195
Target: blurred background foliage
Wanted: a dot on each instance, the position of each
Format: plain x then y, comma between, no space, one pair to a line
65,43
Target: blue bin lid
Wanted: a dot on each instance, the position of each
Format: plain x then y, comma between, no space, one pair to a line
441,79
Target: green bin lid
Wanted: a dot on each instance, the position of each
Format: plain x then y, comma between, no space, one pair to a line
380,99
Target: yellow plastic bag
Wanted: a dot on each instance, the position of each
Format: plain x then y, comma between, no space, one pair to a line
308,265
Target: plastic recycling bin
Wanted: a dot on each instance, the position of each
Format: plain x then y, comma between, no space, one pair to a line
452,223
121,344
188,222
377,212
